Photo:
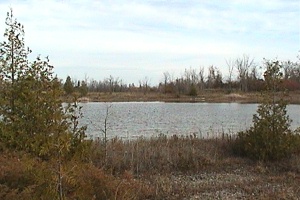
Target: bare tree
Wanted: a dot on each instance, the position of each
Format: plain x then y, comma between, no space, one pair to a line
111,83
243,65
167,78
211,77
230,64
218,79
144,84
194,76
86,78
104,131
288,69
254,83
201,78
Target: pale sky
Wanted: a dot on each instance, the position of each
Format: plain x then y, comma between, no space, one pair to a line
134,39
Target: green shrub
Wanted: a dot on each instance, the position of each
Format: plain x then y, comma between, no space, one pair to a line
260,144
270,137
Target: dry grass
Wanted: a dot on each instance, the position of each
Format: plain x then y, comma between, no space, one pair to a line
160,154
155,168
193,168
205,96
127,96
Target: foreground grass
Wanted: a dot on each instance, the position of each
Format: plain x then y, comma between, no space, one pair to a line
155,168
193,168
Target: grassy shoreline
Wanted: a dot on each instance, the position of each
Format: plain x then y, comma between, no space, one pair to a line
208,97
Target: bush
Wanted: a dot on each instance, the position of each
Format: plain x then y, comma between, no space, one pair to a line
263,145
25,177
270,137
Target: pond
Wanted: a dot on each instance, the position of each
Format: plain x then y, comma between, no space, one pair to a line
134,119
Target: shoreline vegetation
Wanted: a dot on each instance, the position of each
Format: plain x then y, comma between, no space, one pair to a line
205,97
187,167
177,167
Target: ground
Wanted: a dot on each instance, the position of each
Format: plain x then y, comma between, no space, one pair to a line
239,180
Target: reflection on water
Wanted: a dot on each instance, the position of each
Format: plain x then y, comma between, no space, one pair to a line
132,119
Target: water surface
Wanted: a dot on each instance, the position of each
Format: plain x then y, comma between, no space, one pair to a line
133,119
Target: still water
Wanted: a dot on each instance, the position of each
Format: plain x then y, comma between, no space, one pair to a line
134,119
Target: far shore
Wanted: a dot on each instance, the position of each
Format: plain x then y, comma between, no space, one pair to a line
208,97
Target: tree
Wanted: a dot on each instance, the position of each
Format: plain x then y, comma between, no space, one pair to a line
201,78
167,78
29,105
83,89
33,119
219,79
230,65
270,137
13,56
291,75
243,65
214,78
111,84
254,79
144,84
211,77
68,86
193,90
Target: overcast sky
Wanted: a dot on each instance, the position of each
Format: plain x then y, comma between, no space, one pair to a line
134,39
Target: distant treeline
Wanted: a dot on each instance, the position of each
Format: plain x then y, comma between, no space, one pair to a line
248,78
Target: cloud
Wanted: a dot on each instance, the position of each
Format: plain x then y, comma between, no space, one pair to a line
156,33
